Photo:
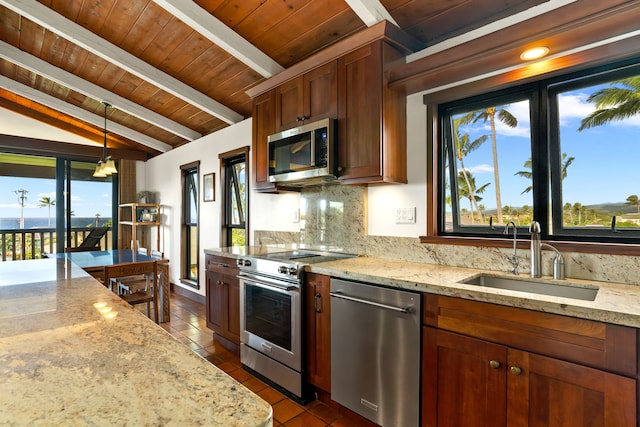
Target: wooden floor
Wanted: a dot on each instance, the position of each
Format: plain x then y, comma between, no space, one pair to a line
188,325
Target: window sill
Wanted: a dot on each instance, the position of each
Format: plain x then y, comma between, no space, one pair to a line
580,247
190,283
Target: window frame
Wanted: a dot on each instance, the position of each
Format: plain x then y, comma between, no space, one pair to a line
227,159
186,227
550,141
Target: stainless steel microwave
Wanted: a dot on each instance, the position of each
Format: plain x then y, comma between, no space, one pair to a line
305,155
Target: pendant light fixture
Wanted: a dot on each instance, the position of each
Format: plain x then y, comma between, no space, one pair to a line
106,166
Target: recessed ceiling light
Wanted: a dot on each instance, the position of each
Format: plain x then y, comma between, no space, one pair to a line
534,53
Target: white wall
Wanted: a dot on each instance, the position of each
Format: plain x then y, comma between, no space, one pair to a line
385,199
162,175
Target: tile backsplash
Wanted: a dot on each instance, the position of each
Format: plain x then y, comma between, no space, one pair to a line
335,218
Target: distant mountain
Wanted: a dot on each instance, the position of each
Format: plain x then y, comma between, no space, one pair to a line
608,208
614,208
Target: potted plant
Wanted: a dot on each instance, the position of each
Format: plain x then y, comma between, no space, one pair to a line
146,197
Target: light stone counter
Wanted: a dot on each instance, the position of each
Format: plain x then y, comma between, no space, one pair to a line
615,303
73,353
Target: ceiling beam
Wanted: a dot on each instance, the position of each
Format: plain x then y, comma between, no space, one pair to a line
94,119
371,11
217,32
71,81
84,38
40,147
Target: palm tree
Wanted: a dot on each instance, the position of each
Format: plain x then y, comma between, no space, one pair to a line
48,202
463,147
614,103
489,114
528,174
633,200
467,189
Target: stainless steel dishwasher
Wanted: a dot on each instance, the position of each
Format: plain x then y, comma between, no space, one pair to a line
375,352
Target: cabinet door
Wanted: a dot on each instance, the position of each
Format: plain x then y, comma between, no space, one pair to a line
215,302
320,93
463,381
307,98
232,287
289,104
544,391
263,126
318,331
359,107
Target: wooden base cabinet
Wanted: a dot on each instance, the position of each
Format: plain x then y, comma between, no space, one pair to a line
318,331
471,378
223,301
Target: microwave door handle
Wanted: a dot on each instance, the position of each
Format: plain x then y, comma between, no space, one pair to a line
312,141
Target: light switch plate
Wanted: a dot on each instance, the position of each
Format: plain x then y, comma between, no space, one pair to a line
406,215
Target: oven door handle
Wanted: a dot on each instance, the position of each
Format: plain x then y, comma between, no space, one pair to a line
267,284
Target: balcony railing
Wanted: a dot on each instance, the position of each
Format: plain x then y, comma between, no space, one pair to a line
19,244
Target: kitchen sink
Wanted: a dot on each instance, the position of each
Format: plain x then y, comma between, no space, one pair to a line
573,291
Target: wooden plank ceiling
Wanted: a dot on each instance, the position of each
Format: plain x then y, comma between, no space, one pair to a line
175,71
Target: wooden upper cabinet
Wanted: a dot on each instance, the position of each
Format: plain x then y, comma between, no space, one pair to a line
264,110
372,130
307,98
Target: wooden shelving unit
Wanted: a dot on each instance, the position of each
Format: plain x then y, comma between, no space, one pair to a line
144,215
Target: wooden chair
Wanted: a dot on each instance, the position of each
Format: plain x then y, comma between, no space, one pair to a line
147,271
129,285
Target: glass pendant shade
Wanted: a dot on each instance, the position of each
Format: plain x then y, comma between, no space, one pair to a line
106,166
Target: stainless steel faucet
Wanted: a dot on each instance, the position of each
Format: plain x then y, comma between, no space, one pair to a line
514,258
536,249
536,254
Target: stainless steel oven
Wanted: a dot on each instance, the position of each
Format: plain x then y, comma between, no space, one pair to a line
271,322
271,316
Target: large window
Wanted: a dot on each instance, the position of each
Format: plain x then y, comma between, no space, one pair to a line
189,232
49,204
561,152
235,226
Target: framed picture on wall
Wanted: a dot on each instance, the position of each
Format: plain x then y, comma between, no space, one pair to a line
208,189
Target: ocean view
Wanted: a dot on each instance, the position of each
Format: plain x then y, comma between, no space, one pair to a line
29,223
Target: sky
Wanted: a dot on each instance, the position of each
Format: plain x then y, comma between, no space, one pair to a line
88,198
605,166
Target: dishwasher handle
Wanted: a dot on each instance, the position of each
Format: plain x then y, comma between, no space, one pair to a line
339,294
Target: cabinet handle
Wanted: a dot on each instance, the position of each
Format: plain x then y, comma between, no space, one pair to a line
317,307
494,364
223,265
516,371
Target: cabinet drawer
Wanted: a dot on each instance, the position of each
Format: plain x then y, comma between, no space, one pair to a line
591,343
221,265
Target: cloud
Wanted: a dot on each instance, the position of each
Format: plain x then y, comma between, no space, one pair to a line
482,168
573,107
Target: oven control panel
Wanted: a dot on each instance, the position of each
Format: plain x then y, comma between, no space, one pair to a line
291,271
241,262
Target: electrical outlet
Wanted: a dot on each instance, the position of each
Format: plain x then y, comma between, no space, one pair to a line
296,216
406,215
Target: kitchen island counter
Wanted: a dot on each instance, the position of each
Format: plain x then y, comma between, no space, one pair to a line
74,353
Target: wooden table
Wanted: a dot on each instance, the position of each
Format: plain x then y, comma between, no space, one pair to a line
93,262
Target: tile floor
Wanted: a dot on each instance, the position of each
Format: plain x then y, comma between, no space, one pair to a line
188,325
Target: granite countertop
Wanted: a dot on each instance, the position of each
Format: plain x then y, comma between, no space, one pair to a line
615,303
74,353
